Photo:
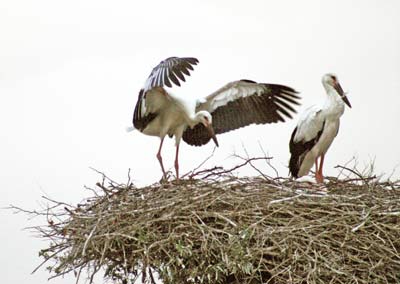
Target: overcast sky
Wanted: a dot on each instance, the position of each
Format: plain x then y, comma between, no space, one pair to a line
70,72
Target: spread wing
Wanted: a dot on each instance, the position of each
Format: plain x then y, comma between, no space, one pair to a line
153,98
241,103
171,69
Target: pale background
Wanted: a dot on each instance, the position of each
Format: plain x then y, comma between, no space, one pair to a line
70,72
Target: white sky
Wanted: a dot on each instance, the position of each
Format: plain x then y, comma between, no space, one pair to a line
70,72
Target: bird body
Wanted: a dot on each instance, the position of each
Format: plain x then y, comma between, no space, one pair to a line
171,114
316,129
158,112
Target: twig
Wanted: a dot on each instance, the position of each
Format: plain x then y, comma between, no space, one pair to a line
200,165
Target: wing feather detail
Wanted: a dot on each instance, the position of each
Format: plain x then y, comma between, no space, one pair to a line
241,103
170,71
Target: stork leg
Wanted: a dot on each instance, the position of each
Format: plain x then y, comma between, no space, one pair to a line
316,166
319,176
317,171
176,162
160,158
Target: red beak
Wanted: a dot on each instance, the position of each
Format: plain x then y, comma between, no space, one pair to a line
341,93
212,133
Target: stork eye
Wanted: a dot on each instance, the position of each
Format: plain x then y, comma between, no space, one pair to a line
206,118
333,78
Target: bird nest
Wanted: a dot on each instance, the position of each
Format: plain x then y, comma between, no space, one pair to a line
214,227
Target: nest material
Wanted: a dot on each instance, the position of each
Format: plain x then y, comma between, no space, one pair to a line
224,229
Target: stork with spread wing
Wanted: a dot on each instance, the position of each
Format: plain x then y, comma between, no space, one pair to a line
237,104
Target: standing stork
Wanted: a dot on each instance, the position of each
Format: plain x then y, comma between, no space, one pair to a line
316,129
237,104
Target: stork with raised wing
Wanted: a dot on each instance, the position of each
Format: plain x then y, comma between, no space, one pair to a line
237,104
316,129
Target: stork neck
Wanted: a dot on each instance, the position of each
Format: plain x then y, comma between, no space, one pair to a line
328,88
187,108
193,119
333,103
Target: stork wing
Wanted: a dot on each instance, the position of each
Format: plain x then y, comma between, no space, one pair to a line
304,137
241,103
172,68
311,122
148,105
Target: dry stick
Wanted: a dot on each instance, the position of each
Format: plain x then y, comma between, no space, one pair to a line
345,165
205,171
89,237
350,170
254,167
48,258
56,203
112,183
268,161
79,275
201,164
222,172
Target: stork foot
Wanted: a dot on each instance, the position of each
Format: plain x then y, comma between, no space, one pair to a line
164,179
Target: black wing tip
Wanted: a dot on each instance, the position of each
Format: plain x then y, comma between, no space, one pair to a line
192,60
294,156
285,98
168,84
285,105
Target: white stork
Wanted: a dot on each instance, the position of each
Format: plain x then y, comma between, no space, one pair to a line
316,129
237,104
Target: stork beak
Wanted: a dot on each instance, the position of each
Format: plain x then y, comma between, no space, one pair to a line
212,133
341,93
346,101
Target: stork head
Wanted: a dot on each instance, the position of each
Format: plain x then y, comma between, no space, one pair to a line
205,118
330,80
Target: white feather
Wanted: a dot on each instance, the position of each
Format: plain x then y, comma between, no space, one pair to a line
310,123
231,92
